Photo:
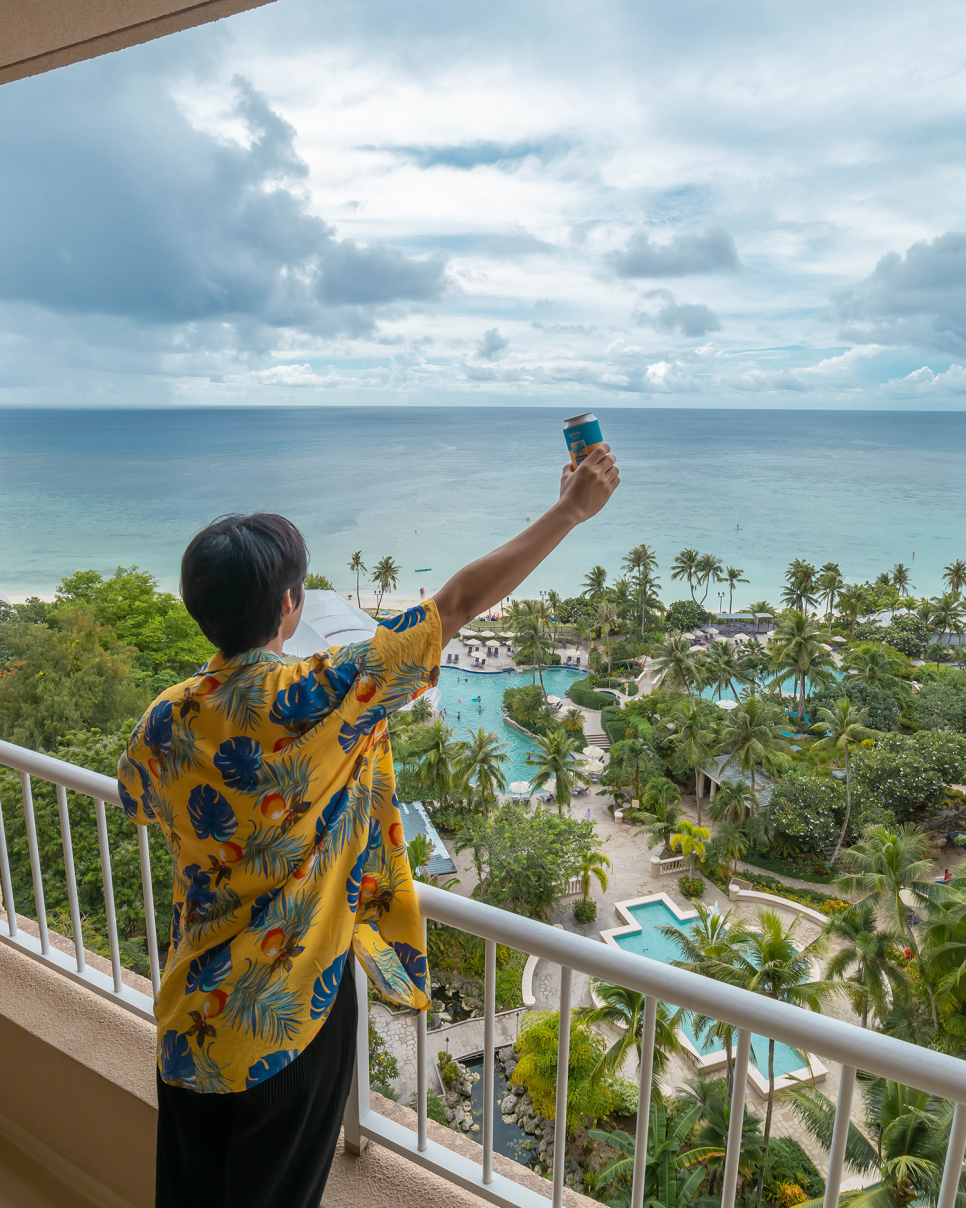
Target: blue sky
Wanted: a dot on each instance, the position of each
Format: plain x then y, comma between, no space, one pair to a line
696,205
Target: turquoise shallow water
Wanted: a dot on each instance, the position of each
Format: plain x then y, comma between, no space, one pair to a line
458,688
435,487
651,943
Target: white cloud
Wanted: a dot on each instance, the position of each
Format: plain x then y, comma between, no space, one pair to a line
923,382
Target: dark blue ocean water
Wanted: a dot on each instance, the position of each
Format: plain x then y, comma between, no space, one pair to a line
436,487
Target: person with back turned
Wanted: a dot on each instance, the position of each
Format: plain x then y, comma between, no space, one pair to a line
273,784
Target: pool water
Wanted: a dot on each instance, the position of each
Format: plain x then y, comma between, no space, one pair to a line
508,1139
650,942
476,700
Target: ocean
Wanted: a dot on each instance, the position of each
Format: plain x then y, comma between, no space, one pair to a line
437,487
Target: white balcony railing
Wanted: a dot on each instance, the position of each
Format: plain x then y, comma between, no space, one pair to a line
854,1047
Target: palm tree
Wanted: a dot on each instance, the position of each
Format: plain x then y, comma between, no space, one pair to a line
843,727
573,722
947,614
554,761
954,576
438,759
419,849
830,583
901,579
673,659
853,603
359,567
733,802
800,592
481,761
704,945
595,583
689,839
593,864
722,666
733,843
707,567
645,594
606,618
624,1010
797,649
386,578
732,577
882,866
751,737
909,1133
583,633
694,738
662,812
866,960
684,566
553,603
767,960
533,644
870,664
639,563
626,758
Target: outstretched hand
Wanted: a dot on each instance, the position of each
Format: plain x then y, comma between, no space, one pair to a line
584,491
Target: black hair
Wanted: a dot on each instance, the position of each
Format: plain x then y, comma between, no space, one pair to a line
234,576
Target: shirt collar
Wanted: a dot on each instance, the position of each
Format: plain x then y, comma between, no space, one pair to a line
219,662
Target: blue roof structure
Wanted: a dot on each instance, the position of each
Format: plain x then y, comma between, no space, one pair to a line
415,821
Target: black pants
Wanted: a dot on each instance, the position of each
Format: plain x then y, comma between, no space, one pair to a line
267,1147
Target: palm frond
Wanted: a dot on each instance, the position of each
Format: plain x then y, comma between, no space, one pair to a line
209,1075
290,775
222,910
293,914
817,1114
183,757
270,853
267,1011
242,696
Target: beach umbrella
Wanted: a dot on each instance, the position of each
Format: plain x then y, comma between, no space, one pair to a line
592,752
487,634
520,786
697,650
591,765
727,705
740,637
553,700
839,639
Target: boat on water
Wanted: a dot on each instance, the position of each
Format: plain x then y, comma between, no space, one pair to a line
421,570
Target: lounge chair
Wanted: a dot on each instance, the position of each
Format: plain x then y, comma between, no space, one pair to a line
569,660
449,658
456,658
577,663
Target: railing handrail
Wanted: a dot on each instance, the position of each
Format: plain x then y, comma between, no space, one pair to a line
47,767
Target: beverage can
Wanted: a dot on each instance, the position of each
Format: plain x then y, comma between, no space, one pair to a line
582,433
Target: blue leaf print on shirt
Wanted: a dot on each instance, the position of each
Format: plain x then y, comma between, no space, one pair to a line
208,971
368,721
157,729
342,678
270,1064
176,924
335,806
240,762
175,1062
349,736
211,815
200,895
413,961
129,803
353,883
261,904
326,987
375,834
300,706
405,620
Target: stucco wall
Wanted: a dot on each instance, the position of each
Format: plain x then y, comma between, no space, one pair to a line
39,35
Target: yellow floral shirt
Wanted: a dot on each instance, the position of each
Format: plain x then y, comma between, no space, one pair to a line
274,786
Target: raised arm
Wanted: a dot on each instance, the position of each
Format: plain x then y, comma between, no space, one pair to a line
583,492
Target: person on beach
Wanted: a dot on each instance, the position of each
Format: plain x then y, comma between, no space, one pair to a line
273,785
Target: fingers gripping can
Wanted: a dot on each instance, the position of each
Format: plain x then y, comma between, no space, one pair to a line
582,433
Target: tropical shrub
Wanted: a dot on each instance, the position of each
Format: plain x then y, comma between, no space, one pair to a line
795,893
902,778
941,704
686,614
881,707
383,1067
789,1165
509,983
318,582
448,1069
692,887
435,1107
627,1096
805,811
585,910
581,695
806,868
587,1094
908,634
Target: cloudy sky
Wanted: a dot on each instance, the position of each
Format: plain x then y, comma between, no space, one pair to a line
697,204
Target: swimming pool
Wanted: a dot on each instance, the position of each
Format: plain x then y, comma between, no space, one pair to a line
471,701
646,940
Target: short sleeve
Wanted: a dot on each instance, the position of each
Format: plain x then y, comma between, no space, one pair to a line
396,665
134,782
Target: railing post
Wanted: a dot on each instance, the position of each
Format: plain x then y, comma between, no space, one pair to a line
357,1105
107,881
6,882
489,1057
644,1100
563,1076
953,1170
422,1083
729,1185
150,923
35,873
840,1137
75,917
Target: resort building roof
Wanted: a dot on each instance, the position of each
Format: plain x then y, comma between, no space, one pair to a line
415,821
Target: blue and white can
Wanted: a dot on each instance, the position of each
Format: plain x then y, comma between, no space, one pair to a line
582,433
